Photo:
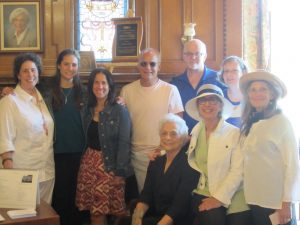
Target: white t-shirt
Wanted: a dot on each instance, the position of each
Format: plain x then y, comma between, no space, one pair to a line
147,106
271,163
22,131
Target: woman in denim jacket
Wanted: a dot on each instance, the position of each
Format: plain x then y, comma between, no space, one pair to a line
106,162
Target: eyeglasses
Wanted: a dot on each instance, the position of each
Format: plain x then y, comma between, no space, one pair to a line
191,54
231,71
145,64
262,90
209,101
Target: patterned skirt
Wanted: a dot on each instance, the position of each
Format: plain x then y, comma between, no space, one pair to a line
97,190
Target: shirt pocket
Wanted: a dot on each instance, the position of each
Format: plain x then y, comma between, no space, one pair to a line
222,153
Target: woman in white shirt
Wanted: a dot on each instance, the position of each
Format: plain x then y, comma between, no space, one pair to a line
26,126
218,198
271,158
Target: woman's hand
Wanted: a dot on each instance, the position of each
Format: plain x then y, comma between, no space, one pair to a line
120,100
285,214
137,216
209,203
8,163
165,220
7,91
7,160
117,180
152,155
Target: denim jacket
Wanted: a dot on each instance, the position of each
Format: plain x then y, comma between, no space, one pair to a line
114,129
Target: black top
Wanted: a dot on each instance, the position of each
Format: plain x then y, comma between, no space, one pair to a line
93,136
169,192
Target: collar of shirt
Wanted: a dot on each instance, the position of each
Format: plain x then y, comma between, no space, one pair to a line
25,96
21,36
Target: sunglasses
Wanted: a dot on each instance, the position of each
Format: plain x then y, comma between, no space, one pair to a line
145,64
208,100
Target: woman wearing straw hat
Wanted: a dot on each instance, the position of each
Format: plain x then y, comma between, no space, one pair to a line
271,160
213,152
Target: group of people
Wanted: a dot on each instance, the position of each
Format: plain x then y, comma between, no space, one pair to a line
208,148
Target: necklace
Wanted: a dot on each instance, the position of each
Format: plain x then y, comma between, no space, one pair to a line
68,92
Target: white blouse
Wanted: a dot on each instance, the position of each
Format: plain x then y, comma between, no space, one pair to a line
27,130
271,163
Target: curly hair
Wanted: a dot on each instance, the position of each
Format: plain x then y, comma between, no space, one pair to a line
20,59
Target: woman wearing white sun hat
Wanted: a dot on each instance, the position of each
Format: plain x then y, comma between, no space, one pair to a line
213,152
271,158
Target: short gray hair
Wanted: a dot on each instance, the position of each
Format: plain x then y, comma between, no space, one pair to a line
182,128
17,12
150,50
201,45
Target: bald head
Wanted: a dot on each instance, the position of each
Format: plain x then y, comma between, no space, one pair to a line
194,54
195,44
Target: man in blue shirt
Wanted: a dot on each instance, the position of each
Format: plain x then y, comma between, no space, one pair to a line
195,75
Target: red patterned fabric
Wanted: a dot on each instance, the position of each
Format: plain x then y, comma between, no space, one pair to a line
97,190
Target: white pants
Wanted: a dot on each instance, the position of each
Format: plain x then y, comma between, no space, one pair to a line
140,162
46,190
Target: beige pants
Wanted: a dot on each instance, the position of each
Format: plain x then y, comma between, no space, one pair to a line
140,162
46,190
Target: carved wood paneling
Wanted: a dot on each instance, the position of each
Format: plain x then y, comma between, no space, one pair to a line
219,25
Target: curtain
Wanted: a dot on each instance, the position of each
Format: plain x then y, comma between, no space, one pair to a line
256,34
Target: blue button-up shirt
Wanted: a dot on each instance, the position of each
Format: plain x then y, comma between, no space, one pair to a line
187,91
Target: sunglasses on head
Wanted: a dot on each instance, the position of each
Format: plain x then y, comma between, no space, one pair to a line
144,64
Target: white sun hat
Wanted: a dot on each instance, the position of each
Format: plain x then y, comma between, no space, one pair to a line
191,106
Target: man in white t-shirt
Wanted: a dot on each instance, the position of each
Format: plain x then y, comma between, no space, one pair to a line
148,100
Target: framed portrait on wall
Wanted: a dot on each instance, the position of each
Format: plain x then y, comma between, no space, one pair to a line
21,26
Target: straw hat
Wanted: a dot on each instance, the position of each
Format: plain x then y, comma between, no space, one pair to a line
262,75
191,106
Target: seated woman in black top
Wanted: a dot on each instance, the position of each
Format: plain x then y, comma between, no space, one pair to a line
165,198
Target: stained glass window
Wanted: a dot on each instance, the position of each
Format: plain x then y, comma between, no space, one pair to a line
94,26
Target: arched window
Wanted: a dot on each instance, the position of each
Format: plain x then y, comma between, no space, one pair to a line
95,31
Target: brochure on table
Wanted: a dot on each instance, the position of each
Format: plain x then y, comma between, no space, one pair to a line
18,189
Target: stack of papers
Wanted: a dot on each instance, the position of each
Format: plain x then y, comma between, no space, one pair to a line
21,213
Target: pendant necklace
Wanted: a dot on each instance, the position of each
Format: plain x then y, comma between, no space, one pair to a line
67,93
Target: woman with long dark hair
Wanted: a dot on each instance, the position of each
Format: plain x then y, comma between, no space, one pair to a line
67,98
106,161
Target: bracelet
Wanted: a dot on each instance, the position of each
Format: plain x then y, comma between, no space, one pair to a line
4,160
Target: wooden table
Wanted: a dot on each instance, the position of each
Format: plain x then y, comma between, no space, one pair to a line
45,216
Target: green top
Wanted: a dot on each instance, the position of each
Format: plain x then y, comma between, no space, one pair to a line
69,132
238,202
201,152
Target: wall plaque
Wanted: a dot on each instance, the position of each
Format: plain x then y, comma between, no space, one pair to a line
128,38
